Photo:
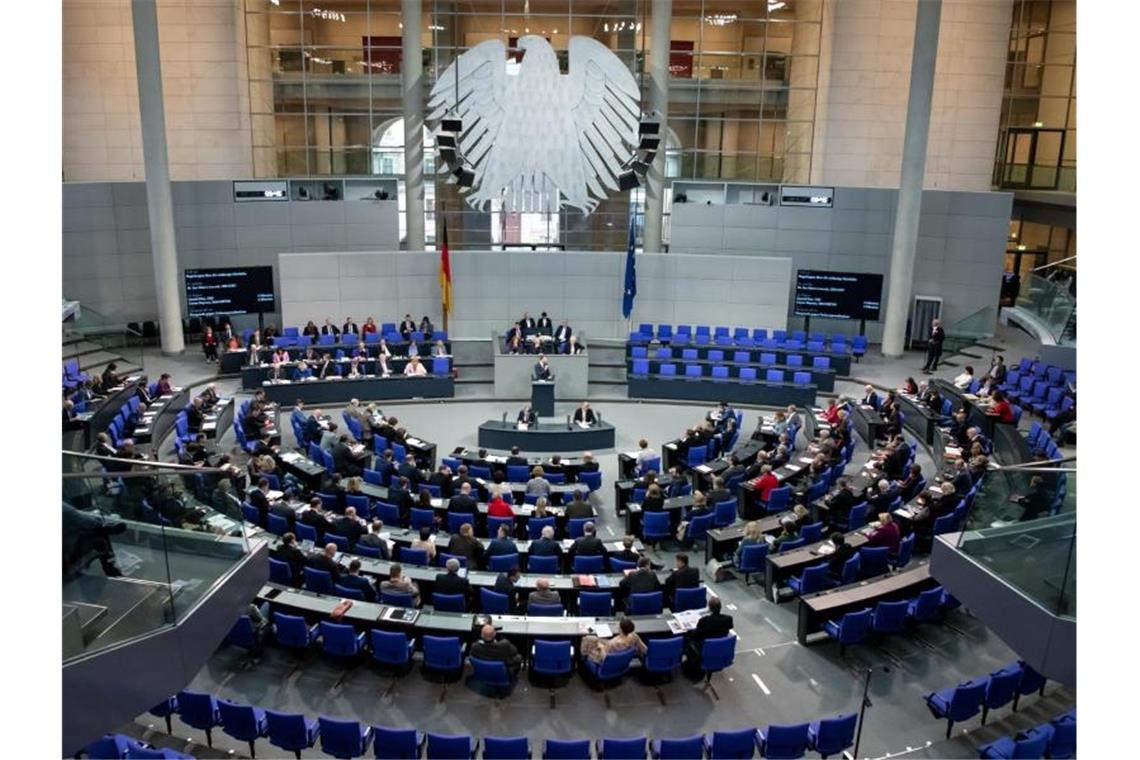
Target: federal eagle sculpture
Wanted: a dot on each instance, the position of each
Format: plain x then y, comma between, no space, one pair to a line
535,138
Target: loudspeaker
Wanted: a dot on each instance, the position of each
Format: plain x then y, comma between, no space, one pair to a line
649,143
628,181
451,125
447,155
640,167
445,141
648,128
463,177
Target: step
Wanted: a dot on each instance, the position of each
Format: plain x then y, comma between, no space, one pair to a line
79,348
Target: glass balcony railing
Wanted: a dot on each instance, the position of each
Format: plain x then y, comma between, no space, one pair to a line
1023,528
1049,302
109,334
969,330
141,548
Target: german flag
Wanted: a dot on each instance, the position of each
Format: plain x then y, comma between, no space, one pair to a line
445,276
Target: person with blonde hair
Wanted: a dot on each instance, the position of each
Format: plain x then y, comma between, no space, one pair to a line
538,485
887,534
752,536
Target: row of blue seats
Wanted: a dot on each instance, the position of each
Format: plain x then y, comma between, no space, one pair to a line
124,422
742,336
121,746
890,617
72,376
1055,739
294,732
998,689
665,353
718,372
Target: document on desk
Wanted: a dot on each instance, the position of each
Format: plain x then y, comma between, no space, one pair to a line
583,425
601,630
522,426
703,468
806,460
687,620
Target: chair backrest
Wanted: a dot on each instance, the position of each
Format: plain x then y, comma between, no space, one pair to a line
786,741
1001,687
718,654
662,655
739,743
655,524
699,526
442,652
544,610
423,518
622,749
319,581
595,604
874,560
833,735
649,603
198,710
390,647
667,369
690,599
794,360
725,513
543,563
1031,680
752,557
788,546
397,599
906,548
890,617
449,602
774,376
239,721
821,362
616,664
812,532
396,742
506,747
693,370
567,749
697,455
747,373
720,372
853,626
341,738
801,378
339,639
289,731
813,579
552,657
451,747
966,701
590,564
682,748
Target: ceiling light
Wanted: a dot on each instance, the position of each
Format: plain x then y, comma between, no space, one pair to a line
721,19
775,5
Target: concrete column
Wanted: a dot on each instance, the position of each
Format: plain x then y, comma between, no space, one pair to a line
160,210
901,276
660,13
412,68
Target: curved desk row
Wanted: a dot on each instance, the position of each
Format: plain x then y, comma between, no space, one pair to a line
822,379
546,436
231,362
816,609
840,361
366,389
1010,446
253,376
735,391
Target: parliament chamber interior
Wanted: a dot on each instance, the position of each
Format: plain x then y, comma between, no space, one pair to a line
702,384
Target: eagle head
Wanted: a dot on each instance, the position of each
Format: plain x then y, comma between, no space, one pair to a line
536,52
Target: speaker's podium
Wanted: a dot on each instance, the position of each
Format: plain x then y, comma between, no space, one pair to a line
542,397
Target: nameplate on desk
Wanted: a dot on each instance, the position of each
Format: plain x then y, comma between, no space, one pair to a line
400,615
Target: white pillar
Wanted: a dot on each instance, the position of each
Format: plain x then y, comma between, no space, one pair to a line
412,72
160,210
661,11
901,276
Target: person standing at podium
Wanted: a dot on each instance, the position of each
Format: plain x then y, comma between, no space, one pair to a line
542,369
584,414
527,416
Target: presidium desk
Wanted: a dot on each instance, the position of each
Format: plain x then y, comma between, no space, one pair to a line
546,436
341,391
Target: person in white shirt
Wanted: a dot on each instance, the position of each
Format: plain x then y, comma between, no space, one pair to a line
382,365
644,453
414,368
963,380
383,350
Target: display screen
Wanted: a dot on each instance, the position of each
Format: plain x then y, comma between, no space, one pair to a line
838,295
237,290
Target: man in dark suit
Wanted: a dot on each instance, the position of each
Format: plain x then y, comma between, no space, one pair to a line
349,527
588,545
642,580
527,416
959,428
451,582
527,323
934,346
1035,502
735,469
501,544
408,326
962,480
505,584
589,464
315,518
350,327
870,398
328,328
714,625
562,334
323,560
289,553
839,503
585,414
441,479
682,576
544,325
399,493
312,428
488,647
375,540
466,545
718,492
515,457
259,497
895,464
463,502
409,470
578,507
546,546
344,461
879,499
353,579
627,554
542,369
283,510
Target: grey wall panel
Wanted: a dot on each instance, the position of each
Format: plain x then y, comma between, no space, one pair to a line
82,194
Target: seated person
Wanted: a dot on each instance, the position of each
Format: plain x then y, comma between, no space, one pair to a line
544,326
1001,408
627,554
302,372
562,336
499,506
654,501
908,485
502,544
425,543
879,498
426,327
574,346
407,327
326,367
354,580
752,537
597,649
1036,502
369,326
490,647
527,416
543,594
311,330
789,531
399,583
439,349
838,558
588,544
545,545
963,380
887,534
414,368
450,582
466,545
715,625
584,414
870,398
513,342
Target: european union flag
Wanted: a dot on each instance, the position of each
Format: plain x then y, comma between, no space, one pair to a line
630,270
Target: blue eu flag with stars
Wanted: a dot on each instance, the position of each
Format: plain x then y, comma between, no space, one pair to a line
630,271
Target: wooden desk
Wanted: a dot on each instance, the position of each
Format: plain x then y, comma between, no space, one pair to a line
816,609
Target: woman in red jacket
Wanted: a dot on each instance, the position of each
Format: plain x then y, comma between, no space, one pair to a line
498,507
1001,408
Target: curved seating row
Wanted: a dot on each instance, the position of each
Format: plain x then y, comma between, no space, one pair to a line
1055,739
1000,688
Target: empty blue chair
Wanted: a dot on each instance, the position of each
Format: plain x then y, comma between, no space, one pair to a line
767,358
340,541
640,367
683,748
1062,732
279,572
690,599
716,655
906,548
622,749
724,513
831,736
774,376
664,333
243,722
397,599
165,709
551,660
576,526
397,743
667,369
110,746
494,603
789,546
1031,680
1027,744
693,370
801,378
664,354
590,564
391,649
344,738
595,604
850,572
661,658
650,603
451,747
1001,688
752,560
200,711
891,617
543,564
731,744
620,566
812,532
698,527
689,354
813,579
506,747
291,732
715,355
639,352
858,346
655,527
794,360
852,628
783,741
748,373
319,581
926,606
741,357
720,372
443,655
534,526
957,703
567,749
340,640
449,602
292,631
874,560
501,563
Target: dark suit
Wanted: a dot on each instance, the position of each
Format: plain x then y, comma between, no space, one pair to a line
545,547
626,555
258,499
410,472
330,330
471,548
544,325
462,505
443,482
528,418
317,521
641,582
375,542
713,626
871,400
717,495
686,577
500,546
345,462
451,583
498,650
322,562
962,482
1035,502
541,372
292,555
578,509
562,334
350,529
312,430
934,348
589,418
283,511
588,546
360,584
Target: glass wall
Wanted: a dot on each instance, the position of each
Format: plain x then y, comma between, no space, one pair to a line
325,89
1037,146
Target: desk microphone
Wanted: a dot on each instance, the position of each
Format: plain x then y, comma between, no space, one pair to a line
504,416
568,425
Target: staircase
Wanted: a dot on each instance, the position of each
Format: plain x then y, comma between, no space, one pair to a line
95,340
